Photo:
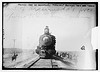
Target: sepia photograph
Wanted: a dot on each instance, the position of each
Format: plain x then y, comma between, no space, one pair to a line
49,36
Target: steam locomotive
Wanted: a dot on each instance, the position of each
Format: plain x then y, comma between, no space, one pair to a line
46,47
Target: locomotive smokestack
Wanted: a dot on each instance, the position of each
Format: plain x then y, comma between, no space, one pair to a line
46,30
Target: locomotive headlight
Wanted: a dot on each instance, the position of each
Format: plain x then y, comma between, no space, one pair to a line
45,39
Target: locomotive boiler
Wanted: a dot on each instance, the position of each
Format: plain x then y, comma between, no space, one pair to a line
46,47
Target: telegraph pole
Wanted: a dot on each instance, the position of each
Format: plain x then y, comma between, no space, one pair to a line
14,43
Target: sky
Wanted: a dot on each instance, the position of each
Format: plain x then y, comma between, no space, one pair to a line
70,25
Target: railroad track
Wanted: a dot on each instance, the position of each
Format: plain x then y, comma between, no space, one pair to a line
34,63
44,63
54,63
41,63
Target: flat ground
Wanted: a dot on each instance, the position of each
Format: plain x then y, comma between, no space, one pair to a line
28,54
23,56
